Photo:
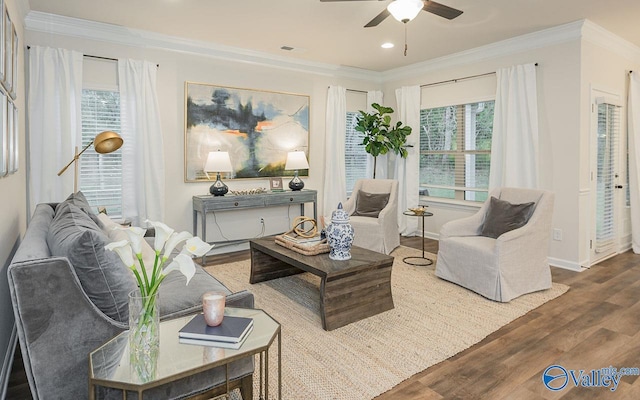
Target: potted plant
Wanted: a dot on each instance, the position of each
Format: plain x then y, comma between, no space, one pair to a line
380,137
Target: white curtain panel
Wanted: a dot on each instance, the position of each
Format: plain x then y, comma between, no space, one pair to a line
335,190
633,123
143,151
514,147
55,94
407,170
376,96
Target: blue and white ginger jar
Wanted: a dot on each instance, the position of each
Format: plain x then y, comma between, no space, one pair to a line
340,235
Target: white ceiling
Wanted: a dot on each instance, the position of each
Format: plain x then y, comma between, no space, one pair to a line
333,33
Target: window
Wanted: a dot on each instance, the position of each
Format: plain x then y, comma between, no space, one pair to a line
355,157
455,151
101,174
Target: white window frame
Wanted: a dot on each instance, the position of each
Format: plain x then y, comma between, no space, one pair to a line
464,193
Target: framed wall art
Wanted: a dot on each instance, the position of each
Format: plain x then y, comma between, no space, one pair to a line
257,128
8,51
4,138
275,184
12,133
2,50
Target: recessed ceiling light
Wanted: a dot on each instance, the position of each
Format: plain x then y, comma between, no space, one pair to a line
387,45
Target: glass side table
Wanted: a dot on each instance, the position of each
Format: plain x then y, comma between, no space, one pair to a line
419,261
110,366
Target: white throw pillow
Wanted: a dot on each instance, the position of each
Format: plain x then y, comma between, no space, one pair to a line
111,229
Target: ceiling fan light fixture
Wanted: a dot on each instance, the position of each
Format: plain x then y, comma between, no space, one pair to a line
405,10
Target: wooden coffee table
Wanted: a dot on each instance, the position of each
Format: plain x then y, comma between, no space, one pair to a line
350,290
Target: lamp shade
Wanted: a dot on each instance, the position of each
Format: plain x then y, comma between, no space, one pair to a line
107,142
296,160
218,161
405,10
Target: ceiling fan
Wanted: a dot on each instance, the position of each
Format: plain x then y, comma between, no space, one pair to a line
406,10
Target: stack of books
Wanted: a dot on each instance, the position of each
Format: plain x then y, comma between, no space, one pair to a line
312,241
230,334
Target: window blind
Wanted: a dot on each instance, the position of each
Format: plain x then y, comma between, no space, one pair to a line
100,175
355,156
608,133
455,151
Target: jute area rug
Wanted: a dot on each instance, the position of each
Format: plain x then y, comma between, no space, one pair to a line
432,321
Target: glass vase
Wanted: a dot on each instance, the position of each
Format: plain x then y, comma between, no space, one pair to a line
144,334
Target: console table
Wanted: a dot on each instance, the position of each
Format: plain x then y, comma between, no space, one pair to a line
207,203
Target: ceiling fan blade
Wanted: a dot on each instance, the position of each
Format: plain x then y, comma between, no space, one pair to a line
441,10
379,18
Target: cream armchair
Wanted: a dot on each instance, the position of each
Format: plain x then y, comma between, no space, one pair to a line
377,234
504,268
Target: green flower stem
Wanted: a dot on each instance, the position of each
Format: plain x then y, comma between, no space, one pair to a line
139,279
144,270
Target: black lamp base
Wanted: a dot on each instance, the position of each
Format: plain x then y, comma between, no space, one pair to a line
218,188
296,183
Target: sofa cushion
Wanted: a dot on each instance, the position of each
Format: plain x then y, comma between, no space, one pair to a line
177,298
104,278
503,217
370,204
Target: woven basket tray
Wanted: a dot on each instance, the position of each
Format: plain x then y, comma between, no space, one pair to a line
322,247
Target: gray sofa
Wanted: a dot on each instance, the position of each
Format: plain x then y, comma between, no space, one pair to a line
61,313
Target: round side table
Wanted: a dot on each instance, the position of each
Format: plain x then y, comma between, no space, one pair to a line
419,261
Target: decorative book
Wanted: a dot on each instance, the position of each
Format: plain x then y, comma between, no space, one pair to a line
231,330
217,343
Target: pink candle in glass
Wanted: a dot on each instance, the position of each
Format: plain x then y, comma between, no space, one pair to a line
213,308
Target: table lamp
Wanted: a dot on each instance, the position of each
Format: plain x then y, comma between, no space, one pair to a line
104,143
296,160
218,161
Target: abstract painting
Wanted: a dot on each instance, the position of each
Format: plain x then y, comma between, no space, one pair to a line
257,128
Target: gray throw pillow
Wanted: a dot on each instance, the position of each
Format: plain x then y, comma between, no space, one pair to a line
104,278
503,217
79,200
370,204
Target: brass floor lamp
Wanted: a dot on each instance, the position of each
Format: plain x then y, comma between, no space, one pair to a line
104,143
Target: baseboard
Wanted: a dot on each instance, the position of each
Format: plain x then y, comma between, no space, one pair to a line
8,362
570,265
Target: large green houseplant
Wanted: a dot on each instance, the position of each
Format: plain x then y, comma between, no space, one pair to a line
380,137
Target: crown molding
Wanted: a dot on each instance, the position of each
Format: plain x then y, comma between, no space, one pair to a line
599,36
79,28
547,37
60,25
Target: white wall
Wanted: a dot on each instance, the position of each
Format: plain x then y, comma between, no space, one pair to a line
559,52
605,64
176,68
558,81
13,214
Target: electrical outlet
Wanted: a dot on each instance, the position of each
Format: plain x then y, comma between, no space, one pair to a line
557,234
262,220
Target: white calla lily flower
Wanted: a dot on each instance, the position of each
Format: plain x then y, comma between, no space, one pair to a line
136,236
174,240
182,263
123,249
162,234
196,247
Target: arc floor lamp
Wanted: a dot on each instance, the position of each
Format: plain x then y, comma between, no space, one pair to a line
104,143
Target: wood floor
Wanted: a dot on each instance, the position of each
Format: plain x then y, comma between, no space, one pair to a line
594,325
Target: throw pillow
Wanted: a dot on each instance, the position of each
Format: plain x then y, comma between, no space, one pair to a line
503,217
79,200
370,204
115,234
104,278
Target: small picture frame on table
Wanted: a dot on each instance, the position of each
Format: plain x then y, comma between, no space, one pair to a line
275,184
